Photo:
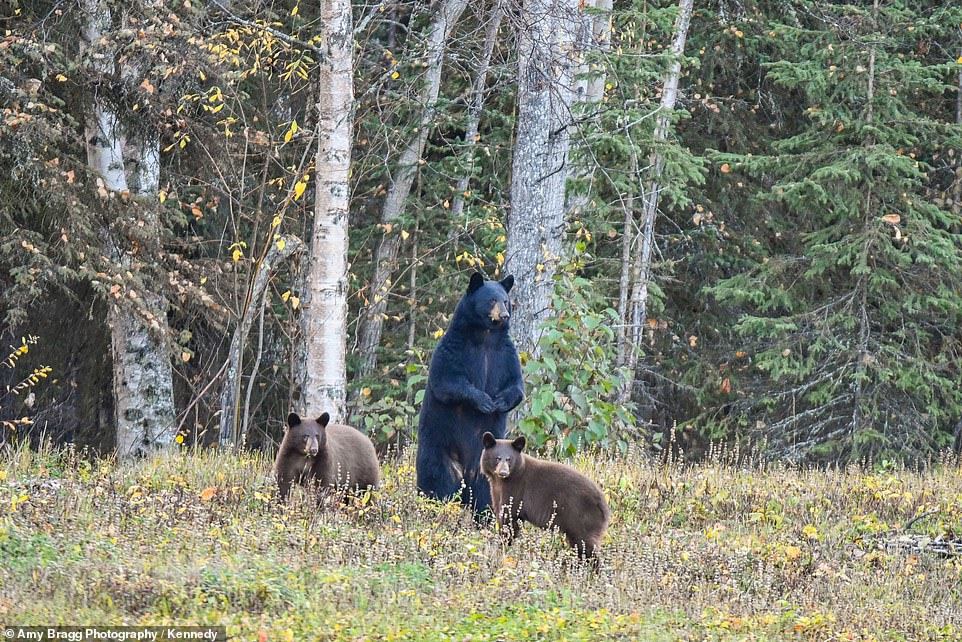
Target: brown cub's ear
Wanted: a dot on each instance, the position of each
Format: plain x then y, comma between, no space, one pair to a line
477,280
518,444
293,420
507,282
488,440
324,419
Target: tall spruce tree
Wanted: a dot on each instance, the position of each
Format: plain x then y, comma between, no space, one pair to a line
851,317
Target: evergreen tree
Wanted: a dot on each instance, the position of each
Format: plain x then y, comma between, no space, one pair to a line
851,314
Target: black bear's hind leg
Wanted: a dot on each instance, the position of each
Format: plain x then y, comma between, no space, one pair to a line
437,474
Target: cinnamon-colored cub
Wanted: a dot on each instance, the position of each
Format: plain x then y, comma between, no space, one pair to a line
544,493
332,455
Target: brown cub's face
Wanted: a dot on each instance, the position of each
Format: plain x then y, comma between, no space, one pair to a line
501,457
308,435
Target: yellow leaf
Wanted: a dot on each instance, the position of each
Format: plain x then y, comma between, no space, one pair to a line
286,296
237,254
295,302
62,78
161,196
959,60
208,493
299,188
792,552
281,243
291,132
276,221
437,333
395,75
295,9
404,235
499,258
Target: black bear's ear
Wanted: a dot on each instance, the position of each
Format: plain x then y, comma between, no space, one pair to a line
293,420
324,419
477,280
507,282
488,440
519,443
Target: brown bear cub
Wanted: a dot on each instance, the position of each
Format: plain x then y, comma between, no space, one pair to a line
331,455
544,493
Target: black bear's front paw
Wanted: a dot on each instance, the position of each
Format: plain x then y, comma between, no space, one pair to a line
487,405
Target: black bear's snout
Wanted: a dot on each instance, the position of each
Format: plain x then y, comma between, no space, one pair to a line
499,313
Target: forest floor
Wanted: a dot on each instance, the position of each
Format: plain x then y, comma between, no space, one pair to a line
707,551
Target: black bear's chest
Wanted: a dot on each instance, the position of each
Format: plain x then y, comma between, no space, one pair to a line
484,368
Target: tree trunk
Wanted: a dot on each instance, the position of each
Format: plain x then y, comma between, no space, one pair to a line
596,33
230,417
859,421
628,238
323,377
142,375
651,187
385,260
413,291
474,111
547,60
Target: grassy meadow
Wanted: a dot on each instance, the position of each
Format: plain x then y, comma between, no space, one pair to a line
708,551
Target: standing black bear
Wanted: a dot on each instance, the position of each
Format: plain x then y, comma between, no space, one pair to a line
474,381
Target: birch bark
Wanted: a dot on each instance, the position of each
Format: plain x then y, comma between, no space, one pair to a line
547,58
475,109
142,374
323,376
641,269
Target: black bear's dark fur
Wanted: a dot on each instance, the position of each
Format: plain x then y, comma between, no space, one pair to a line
474,381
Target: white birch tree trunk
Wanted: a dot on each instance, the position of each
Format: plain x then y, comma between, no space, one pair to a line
372,321
596,34
475,109
323,376
547,60
651,186
601,40
142,374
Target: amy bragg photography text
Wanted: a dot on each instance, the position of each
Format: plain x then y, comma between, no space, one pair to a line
115,633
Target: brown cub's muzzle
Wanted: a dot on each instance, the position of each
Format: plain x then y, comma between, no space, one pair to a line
502,470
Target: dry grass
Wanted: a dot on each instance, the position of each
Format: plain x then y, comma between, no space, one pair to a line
710,551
